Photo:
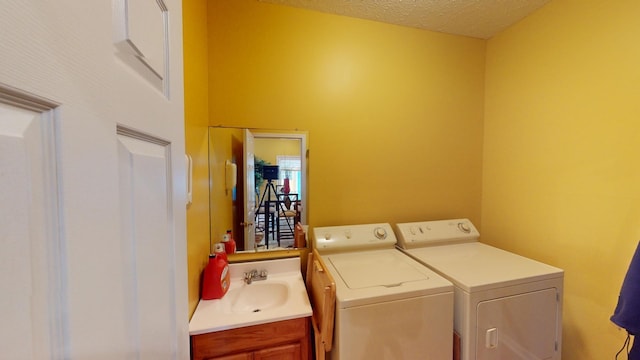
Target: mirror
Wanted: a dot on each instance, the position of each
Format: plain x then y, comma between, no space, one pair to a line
270,193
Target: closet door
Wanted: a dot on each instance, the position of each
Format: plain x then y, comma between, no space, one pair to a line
92,180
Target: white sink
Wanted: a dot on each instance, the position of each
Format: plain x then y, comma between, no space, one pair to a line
282,296
259,296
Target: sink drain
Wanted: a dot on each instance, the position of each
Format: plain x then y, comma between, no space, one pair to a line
256,310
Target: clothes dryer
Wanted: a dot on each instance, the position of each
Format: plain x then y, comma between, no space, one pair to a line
507,307
388,306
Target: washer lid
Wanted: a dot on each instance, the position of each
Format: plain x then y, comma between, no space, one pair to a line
375,269
374,276
477,266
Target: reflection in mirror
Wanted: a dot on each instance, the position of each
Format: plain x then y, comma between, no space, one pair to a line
270,195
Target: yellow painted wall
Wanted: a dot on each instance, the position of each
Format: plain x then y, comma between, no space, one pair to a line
394,114
561,175
196,122
269,149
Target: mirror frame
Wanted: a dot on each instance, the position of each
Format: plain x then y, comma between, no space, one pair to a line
302,136
249,255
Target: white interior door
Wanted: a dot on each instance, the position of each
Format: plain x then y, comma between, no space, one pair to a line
92,180
249,191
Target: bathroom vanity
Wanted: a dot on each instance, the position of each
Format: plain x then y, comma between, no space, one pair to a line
258,318
282,340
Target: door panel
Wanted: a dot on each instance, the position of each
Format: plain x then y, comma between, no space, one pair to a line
145,200
517,327
96,265
141,29
29,234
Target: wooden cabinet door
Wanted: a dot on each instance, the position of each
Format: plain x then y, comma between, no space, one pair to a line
284,352
243,356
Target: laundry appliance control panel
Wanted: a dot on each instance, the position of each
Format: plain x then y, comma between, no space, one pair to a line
353,237
426,233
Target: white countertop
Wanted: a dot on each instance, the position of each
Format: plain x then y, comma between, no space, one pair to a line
221,314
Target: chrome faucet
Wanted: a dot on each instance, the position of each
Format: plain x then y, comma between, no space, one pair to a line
254,275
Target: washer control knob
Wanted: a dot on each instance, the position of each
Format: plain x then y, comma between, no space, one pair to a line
380,233
347,234
464,227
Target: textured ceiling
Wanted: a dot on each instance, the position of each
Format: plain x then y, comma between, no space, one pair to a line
475,18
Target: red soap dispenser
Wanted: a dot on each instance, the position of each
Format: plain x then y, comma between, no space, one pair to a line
215,281
229,243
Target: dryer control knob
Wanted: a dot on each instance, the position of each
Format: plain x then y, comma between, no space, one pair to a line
464,227
380,233
327,236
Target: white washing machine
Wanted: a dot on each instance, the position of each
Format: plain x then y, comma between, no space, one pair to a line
388,306
506,306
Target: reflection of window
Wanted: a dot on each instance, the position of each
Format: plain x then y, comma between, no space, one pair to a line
289,167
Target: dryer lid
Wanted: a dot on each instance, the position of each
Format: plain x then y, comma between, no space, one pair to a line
476,266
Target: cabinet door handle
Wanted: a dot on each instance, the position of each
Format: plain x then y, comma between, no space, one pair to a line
317,266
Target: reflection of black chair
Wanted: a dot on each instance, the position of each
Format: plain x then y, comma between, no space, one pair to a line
266,221
289,208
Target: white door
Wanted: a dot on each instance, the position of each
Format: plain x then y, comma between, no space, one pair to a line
92,180
249,222
519,327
